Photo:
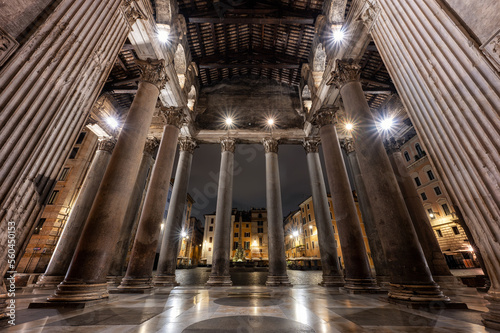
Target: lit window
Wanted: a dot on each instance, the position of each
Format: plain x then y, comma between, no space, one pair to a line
446,210
52,198
38,227
431,213
64,174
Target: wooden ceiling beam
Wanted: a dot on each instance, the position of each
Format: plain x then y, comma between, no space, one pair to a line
270,66
252,20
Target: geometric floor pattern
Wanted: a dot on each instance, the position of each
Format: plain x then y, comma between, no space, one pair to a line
246,309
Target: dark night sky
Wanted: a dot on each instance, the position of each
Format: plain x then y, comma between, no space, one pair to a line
249,187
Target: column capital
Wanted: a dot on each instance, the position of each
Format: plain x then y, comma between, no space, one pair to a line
326,116
188,144
345,71
348,145
151,145
228,144
392,145
311,145
172,116
106,144
153,71
270,145
132,11
370,13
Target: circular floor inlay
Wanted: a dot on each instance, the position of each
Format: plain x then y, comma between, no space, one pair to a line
248,324
248,301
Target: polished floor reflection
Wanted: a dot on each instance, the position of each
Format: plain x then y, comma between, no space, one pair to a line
302,308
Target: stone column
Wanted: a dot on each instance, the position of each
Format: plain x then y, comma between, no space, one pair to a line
411,279
277,276
435,259
86,277
61,258
140,267
173,226
332,273
222,236
358,276
116,270
372,234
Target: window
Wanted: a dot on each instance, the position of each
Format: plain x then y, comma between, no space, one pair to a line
407,156
260,241
307,244
210,228
430,175
247,245
73,153
331,216
210,240
420,152
455,230
260,230
247,234
431,213
423,195
260,223
437,190
440,234
236,234
446,210
312,244
64,174
260,216
53,197
235,245
80,138
211,221
260,250
417,181
247,225
305,232
209,249
308,206
38,227
237,226
303,221
309,217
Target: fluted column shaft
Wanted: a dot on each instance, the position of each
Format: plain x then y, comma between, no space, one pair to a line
86,276
61,258
222,235
277,258
411,279
430,246
358,273
332,274
140,267
173,226
132,215
372,234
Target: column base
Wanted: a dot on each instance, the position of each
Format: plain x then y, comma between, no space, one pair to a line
417,293
491,318
384,282
219,281
77,291
332,281
135,283
49,281
113,280
278,281
361,285
165,281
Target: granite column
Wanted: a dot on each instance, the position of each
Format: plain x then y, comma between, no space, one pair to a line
332,273
86,276
411,279
165,274
61,258
222,250
277,276
140,267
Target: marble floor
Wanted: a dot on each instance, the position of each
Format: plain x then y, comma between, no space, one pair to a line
246,309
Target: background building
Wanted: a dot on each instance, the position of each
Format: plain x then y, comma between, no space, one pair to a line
301,238
191,244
